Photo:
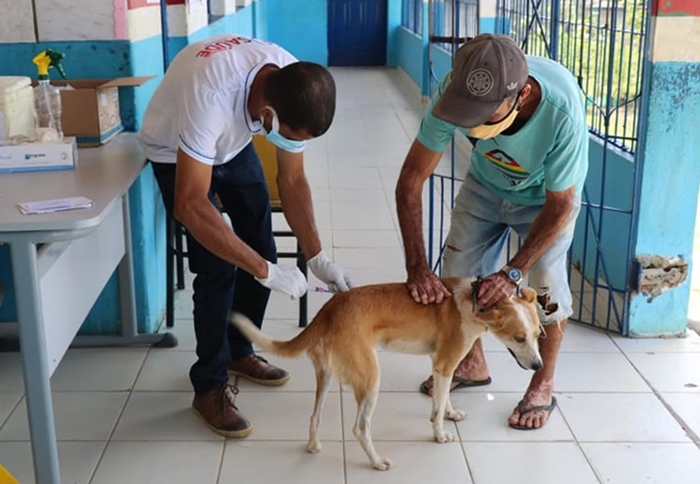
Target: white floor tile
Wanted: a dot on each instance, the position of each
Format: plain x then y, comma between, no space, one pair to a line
412,462
278,462
151,416
184,332
76,460
687,406
597,372
283,307
377,275
160,463
382,220
281,329
349,196
103,369
578,338
643,462
487,415
11,377
303,377
8,402
505,373
366,257
366,238
351,177
619,417
166,371
689,344
285,416
398,417
669,372
528,463
78,416
401,372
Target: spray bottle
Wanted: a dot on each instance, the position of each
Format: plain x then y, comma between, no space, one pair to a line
47,98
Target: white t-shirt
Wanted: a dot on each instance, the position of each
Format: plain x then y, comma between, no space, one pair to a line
201,103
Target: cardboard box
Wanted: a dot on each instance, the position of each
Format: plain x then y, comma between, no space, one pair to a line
91,108
57,155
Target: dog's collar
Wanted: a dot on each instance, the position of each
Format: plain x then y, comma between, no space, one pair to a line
476,284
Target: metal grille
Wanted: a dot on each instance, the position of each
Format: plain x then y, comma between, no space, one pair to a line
601,42
603,45
454,18
412,15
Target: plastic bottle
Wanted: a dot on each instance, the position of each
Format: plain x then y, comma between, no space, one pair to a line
47,98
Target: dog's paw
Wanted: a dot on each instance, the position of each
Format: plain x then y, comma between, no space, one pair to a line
455,415
444,437
313,447
383,464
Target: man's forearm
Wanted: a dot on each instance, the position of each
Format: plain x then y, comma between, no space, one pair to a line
409,205
206,225
298,211
543,232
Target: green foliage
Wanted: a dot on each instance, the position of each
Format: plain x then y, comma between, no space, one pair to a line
602,43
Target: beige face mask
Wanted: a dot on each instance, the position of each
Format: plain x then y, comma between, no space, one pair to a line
486,131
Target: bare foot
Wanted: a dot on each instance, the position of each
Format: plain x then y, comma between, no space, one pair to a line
473,370
539,393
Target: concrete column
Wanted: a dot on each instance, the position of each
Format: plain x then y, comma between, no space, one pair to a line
670,163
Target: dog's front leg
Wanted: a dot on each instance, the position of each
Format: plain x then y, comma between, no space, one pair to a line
453,413
441,392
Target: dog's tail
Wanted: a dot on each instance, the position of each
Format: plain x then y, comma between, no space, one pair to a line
286,349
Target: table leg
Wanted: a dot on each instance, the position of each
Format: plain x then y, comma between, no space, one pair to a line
35,362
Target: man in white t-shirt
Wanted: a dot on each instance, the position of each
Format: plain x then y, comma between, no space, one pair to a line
196,133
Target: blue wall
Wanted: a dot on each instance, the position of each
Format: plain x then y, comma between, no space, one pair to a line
410,55
616,191
301,27
393,32
109,59
669,189
242,22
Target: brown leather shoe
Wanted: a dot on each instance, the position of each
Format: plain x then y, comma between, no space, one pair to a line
256,369
217,409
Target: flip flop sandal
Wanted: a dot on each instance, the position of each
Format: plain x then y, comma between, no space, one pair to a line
524,411
461,383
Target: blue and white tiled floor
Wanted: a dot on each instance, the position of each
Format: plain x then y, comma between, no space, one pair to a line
629,409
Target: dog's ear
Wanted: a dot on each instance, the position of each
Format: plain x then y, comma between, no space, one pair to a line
529,294
490,315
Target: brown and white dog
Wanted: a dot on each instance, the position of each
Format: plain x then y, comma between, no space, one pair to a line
342,340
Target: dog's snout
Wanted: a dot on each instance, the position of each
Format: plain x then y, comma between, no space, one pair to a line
537,365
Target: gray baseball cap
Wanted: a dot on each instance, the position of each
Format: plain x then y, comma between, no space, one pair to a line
487,69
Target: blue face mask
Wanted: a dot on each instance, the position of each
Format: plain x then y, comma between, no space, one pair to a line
280,141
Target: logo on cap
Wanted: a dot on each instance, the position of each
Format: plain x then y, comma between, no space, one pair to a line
480,82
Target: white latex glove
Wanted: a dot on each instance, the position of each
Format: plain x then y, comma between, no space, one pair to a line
286,279
337,278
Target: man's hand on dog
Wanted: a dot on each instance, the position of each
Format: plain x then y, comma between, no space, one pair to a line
425,287
493,288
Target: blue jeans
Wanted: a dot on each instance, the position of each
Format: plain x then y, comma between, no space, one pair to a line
479,230
220,287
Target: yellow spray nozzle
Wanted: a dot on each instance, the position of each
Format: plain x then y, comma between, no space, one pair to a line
42,61
47,59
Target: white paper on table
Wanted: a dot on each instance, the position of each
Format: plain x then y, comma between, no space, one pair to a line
54,205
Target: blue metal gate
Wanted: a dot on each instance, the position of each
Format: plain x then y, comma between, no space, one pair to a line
603,42
357,32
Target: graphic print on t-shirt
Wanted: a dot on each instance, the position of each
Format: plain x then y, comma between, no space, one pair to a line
508,167
222,44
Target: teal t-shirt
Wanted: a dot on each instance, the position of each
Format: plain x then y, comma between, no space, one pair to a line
550,152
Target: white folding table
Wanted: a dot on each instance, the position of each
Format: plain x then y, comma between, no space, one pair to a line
60,263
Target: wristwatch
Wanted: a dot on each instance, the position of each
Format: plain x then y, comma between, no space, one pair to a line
513,274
